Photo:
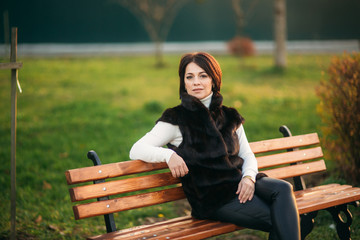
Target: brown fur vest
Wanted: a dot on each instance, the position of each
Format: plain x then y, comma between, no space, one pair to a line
210,149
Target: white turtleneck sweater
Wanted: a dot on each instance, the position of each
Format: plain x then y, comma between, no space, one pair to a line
150,147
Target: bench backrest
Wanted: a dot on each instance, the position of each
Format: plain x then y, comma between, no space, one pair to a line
132,189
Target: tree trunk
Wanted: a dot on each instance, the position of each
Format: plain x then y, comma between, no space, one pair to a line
159,54
280,33
240,18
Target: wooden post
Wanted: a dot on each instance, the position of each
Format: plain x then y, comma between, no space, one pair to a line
14,77
14,66
280,33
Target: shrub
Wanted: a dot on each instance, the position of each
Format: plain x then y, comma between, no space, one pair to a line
241,46
340,111
153,107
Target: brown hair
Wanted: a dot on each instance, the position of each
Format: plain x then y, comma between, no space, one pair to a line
206,62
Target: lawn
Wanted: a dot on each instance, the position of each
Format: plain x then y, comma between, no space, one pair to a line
70,105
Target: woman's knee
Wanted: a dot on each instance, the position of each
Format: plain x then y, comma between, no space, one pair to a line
281,188
270,188
284,187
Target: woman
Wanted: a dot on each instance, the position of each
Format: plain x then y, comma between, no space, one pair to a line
209,151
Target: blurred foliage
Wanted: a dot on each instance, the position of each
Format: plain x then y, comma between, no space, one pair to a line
340,111
241,46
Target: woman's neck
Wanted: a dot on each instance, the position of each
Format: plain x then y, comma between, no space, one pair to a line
207,100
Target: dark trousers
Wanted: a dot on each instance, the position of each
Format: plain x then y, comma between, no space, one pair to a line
272,209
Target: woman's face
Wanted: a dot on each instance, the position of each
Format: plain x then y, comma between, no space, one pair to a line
197,82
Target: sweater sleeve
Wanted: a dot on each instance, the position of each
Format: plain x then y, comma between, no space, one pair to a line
250,167
150,148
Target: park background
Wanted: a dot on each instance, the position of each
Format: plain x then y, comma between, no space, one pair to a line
77,100
95,21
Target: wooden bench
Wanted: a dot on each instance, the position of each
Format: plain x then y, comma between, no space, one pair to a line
279,158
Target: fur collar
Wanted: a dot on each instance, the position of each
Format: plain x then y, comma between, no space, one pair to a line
193,104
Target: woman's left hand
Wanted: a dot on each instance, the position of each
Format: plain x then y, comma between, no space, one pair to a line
246,189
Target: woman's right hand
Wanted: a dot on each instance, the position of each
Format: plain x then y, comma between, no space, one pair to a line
177,166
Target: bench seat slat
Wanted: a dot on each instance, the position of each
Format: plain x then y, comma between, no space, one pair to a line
289,157
284,143
181,230
136,231
319,196
303,196
127,203
110,170
210,232
329,200
122,186
296,170
326,187
158,229
198,229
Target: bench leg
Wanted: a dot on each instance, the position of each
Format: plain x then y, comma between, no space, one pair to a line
307,223
342,226
109,218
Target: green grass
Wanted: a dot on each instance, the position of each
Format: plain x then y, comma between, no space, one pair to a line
70,105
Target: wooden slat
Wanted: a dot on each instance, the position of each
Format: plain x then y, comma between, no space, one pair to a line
149,231
311,193
317,197
122,186
187,229
164,231
300,193
127,203
219,229
296,170
110,170
197,231
135,231
330,200
11,65
284,143
289,157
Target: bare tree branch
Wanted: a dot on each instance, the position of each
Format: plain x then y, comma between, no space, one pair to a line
157,17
